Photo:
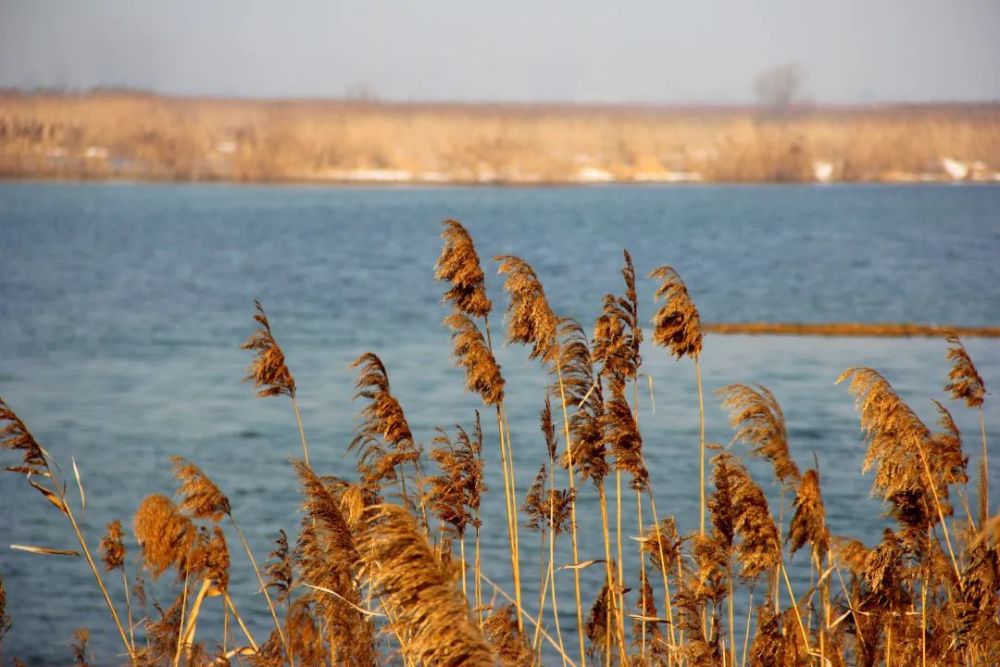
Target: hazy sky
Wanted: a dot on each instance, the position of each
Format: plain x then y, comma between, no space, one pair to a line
581,50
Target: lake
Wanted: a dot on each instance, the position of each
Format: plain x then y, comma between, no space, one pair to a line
123,307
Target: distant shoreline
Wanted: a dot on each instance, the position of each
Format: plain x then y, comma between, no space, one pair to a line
135,137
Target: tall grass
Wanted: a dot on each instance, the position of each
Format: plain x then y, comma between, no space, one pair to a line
141,136
380,571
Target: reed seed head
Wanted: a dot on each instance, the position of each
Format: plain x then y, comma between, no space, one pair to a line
585,402
530,319
113,547
459,265
165,536
964,382
482,372
739,508
431,614
897,442
511,647
15,436
809,523
198,494
677,325
279,570
5,621
456,494
760,423
81,637
268,372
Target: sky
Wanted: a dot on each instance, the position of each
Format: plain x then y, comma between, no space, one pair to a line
616,51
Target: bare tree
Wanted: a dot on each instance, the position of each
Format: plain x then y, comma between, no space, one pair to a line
778,88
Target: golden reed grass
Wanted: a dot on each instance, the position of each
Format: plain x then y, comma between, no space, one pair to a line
367,580
147,136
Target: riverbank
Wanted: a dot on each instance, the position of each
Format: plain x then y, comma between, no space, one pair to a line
150,137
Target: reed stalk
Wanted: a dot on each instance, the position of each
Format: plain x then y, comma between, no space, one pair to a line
572,506
260,580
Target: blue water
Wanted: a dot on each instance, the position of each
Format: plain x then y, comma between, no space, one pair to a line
122,308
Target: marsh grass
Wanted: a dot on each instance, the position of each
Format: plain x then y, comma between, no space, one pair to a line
378,570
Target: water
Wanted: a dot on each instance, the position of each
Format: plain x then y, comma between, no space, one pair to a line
122,308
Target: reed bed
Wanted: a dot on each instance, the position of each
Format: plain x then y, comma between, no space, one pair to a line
381,570
126,135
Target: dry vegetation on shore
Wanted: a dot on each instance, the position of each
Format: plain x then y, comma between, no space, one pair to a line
385,566
148,137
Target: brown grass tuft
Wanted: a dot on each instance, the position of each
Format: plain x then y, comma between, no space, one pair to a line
482,372
530,319
676,326
430,613
759,422
809,523
16,437
198,494
459,265
268,371
112,547
500,629
964,381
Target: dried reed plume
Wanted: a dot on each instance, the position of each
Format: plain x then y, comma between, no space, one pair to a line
898,442
530,319
548,428
760,423
964,381
112,547
676,326
459,265
198,494
622,433
5,622
511,647
268,371
455,495
217,560
81,637
482,372
809,522
16,437
280,573
597,622
165,536
664,541
739,508
541,505
383,418
329,559
617,334
584,391
431,614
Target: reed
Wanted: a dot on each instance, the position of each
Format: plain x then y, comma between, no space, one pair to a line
367,579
